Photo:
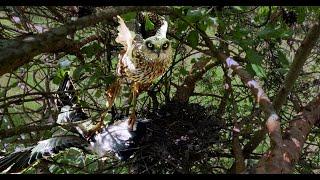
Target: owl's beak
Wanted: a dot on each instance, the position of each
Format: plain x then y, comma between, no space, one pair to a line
157,51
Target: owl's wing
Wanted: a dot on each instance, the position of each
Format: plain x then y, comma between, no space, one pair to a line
127,39
125,36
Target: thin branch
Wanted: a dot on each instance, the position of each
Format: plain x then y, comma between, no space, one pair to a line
273,123
25,129
185,90
299,59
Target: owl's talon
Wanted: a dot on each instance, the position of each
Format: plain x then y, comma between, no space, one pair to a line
95,130
131,121
90,135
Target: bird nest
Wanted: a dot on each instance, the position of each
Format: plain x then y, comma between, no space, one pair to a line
176,140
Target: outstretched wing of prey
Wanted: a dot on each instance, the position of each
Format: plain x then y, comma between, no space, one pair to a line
21,159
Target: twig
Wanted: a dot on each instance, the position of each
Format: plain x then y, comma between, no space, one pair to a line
25,129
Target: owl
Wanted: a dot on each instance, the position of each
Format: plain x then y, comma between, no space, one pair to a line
140,62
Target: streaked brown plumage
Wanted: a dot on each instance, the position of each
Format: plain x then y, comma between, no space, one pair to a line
140,62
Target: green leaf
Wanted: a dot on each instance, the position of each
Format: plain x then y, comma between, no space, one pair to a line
193,38
283,59
110,78
15,84
193,60
92,79
79,71
148,25
249,69
240,32
83,103
91,49
203,25
179,9
129,16
253,56
259,70
255,60
282,71
98,93
239,8
181,26
194,16
59,76
270,32
266,33
183,72
301,14
54,169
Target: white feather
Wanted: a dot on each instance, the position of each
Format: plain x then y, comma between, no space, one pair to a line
125,36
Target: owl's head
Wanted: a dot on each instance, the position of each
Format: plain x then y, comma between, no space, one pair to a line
157,47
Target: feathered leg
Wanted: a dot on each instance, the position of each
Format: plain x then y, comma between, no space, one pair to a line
112,93
135,93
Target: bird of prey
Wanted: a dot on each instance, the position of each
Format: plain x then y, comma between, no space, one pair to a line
140,62
115,139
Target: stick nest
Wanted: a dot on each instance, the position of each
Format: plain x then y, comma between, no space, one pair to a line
177,138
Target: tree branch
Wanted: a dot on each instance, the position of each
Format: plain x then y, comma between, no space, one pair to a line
185,90
300,57
25,129
273,123
294,138
21,51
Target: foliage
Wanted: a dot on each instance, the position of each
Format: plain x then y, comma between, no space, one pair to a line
262,39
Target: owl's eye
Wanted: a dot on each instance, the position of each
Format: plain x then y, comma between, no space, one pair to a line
149,45
165,46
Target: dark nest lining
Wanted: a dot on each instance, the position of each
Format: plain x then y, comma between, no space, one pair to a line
177,138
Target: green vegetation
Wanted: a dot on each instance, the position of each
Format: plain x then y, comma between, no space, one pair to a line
263,40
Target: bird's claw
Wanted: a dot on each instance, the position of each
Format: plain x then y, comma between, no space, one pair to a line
90,135
131,121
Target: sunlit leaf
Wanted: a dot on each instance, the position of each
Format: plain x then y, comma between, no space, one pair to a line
149,24
259,70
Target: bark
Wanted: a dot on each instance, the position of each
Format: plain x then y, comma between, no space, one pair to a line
185,90
273,123
300,58
294,138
